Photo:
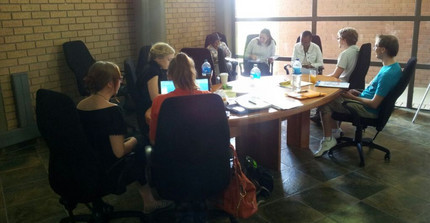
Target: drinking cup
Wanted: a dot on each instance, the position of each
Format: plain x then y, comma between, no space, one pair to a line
224,78
313,76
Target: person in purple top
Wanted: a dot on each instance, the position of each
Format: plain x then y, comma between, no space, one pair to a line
386,48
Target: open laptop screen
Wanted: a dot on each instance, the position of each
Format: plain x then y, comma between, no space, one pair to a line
168,86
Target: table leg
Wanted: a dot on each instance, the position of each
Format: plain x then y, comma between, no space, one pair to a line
261,141
298,130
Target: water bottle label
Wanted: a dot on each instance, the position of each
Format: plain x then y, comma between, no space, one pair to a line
297,70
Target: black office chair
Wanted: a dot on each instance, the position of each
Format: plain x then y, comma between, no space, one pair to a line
387,107
190,161
79,60
75,171
247,65
143,59
199,55
358,75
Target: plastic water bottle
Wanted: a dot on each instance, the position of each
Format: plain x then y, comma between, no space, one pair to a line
297,75
206,69
255,72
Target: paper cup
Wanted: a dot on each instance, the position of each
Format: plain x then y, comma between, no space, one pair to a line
224,78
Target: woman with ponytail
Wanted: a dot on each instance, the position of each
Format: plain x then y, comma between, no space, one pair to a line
181,70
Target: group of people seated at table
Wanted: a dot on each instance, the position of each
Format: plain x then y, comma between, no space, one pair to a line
106,129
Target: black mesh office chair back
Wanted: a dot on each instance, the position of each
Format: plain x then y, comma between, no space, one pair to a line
358,75
142,59
79,60
75,172
386,108
190,159
199,55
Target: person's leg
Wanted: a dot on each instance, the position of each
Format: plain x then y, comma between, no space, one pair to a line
329,125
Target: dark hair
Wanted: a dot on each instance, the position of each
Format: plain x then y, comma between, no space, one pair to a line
100,74
349,34
182,72
306,33
267,33
390,43
212,38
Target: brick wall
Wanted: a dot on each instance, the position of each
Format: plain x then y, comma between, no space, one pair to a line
32,33
188,22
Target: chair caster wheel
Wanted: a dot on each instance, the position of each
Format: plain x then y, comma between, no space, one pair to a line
387,157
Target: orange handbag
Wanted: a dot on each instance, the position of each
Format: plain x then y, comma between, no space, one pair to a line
239,199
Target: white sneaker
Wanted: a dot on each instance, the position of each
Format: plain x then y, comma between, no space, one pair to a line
337,133
325,146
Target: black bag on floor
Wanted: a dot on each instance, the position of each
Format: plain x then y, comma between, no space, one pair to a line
260,176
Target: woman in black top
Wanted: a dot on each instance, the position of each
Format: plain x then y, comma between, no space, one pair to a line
148,80
105,127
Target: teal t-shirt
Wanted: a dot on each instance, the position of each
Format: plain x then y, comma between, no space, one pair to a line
382,84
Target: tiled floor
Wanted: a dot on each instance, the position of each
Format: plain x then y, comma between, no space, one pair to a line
306,190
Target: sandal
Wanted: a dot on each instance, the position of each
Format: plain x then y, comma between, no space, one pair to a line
159,205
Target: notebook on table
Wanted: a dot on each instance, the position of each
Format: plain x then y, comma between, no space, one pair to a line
168,86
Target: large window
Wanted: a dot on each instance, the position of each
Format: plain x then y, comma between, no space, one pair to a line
287,19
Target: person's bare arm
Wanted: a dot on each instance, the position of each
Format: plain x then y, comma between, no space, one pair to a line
337,72
119,147
372,103
153,87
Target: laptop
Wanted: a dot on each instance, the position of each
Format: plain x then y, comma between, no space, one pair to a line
168,86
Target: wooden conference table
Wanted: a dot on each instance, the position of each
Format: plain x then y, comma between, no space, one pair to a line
258,134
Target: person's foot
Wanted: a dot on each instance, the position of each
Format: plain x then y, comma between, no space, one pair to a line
157,206
325,146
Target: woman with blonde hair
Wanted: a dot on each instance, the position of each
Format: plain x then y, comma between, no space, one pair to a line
148,80
182,72
105,128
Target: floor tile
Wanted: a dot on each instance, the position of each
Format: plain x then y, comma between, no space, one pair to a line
26,192
322,169
362,212
289,210
325,199
294,181
23,175
3,218
416,185
42,210
356,185
399,204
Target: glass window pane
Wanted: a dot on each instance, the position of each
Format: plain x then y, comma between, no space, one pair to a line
425,7
422,80
366,8
272,8
367,32
423,54
284,33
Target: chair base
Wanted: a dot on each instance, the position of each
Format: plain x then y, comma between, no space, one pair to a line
359,145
